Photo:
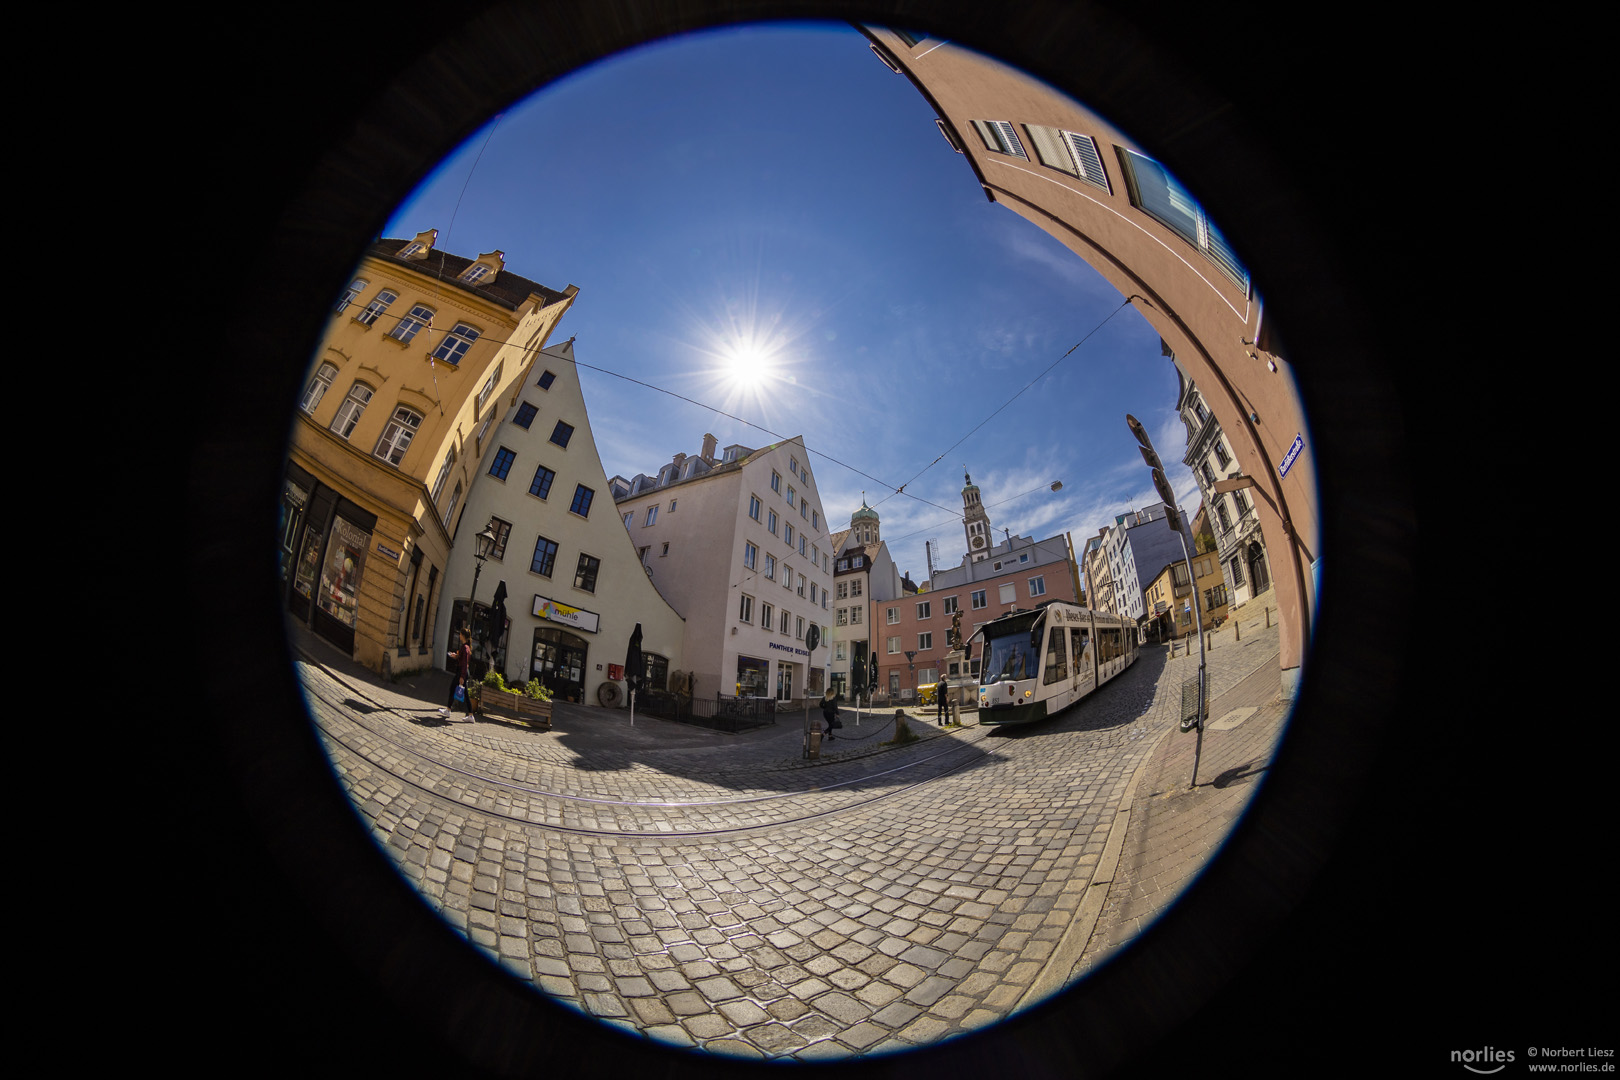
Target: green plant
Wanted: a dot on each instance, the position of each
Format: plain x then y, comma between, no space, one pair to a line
493,678
536,691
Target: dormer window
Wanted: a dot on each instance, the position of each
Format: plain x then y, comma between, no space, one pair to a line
418,247
488,265
410,249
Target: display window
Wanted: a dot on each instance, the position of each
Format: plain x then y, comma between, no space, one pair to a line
342,573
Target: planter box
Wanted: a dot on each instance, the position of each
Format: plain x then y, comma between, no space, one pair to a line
524,710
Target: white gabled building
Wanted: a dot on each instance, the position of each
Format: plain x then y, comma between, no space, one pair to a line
574,589
739,546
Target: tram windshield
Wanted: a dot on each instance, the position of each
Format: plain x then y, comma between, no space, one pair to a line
1008,656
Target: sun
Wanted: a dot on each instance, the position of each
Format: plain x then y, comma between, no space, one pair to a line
747,365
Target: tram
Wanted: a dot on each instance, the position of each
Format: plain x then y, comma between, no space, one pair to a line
1040,662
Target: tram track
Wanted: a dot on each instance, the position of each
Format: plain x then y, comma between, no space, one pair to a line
469,789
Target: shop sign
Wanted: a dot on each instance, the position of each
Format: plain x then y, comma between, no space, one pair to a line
787,648
578,618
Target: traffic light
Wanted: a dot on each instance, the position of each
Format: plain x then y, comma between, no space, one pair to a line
1160,484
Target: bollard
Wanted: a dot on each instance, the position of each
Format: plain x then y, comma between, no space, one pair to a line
815,745
1268,618
1237,630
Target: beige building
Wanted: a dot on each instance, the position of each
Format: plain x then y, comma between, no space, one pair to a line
575,589
739,545
423,352
1069,172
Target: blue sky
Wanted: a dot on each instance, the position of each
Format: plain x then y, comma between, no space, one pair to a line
775,197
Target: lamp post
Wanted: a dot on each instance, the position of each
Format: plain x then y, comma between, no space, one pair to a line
1173,519
481,546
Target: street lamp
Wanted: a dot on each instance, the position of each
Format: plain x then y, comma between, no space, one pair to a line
482,543
1173,518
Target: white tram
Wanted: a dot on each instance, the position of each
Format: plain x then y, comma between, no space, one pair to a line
1039,662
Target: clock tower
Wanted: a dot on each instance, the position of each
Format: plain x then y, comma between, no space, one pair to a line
974,521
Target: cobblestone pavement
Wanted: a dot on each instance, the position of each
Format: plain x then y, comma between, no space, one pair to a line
724,892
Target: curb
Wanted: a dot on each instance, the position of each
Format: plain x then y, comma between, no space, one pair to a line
1055,973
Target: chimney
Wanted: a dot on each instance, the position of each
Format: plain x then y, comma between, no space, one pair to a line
709,443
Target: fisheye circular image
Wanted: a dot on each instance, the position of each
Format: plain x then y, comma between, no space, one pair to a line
800,541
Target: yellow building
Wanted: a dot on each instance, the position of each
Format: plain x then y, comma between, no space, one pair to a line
424,352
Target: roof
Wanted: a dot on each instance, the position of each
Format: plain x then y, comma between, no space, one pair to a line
506,288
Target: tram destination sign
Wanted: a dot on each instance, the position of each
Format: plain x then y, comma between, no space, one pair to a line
580,619
1293,452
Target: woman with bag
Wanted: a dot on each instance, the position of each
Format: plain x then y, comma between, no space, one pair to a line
460,662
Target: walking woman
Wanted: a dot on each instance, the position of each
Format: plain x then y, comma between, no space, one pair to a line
461,663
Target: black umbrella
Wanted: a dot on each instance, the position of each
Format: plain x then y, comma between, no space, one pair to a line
497,617
632,660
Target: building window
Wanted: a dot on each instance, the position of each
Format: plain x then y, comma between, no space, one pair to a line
1000,136
350,296
408,326
628,518
815,520
582,500
525,415
765,613
1237,571
787,576
489,386
1221,455
801,584
745,609
349,412
770,521
661,554
925,610
652,515
1037,586
502,463
376,307
978,599
318,386
785,618
450,511
925,641
562,433
1009,593
812,593
804,510
455,344
502,530
791,495
541,486
855,587
585,576
754,507
855,616
476,273
546,379
842,618
444,474
410,249
894,646
843,590
793,465
396,437
801,543
798,627
787,535
776,482
750,555
949,606
545,556
770,567
1155,192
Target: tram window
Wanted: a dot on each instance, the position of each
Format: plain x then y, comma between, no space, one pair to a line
1057,656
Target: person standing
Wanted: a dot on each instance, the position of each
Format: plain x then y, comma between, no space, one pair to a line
461,665
941,691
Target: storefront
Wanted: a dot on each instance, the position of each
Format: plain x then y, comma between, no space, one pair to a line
559,656
324,541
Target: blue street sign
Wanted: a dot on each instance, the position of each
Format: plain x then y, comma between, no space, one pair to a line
1293,452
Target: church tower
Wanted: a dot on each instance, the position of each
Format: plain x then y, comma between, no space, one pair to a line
863,525
975,522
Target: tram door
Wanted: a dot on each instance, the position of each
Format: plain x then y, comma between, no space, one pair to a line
559,664
1085,661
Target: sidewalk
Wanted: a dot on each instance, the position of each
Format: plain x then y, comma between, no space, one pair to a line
1172,828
